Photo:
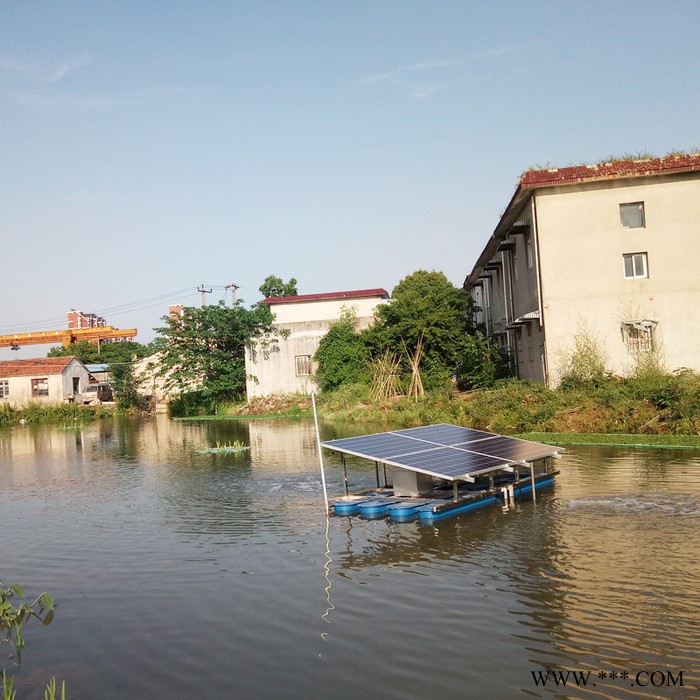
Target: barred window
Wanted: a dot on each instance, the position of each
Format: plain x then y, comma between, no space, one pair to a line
303,365
4,389
638,336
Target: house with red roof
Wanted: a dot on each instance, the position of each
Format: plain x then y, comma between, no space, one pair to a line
47,380
283,364
600,252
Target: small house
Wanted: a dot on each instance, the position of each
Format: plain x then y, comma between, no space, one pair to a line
48,380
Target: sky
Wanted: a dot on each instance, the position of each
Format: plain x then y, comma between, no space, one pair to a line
152,147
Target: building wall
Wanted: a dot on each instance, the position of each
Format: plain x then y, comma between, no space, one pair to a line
273,368
584,290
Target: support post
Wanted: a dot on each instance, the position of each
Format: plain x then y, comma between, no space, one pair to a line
345,473
320,455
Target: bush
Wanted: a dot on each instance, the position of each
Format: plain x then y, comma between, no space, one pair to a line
584,365
342,356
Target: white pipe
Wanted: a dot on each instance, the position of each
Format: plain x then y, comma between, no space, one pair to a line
320,455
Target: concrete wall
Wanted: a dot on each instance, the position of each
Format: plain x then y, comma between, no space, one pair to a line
581,248
272,367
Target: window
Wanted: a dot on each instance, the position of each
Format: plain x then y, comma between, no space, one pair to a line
40,387
635,265
4,389
303,365
638,336
632,215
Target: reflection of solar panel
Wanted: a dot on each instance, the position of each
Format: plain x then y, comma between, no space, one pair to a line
446,451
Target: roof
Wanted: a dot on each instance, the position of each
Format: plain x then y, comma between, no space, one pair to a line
667,165
98,368
44,365
329,296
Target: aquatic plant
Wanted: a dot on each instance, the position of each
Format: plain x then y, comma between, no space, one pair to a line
230,444
12,618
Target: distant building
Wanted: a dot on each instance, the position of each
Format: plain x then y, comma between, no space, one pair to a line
286,365
48,380
606,250
79,319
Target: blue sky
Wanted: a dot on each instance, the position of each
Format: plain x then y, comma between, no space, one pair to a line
150,147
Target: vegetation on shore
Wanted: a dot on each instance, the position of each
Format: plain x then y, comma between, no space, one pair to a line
663,406
63,414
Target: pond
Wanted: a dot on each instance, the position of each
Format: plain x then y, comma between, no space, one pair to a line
187,575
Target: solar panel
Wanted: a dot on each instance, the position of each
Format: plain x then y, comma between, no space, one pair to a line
443,450
444,434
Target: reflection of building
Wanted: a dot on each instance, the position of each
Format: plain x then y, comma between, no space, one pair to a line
602,251
285,366
47,380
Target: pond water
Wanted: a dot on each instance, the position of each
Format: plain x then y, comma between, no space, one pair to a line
185,575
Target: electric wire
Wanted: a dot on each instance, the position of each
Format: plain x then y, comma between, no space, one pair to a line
111,311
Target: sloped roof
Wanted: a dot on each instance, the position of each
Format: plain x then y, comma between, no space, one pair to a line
612,170
329,296
44,365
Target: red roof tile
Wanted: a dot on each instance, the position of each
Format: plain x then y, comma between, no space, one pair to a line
329,296
25,368
614,169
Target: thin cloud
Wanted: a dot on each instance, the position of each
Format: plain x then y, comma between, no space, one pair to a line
73,63
52,100
401,76
42,73
430,65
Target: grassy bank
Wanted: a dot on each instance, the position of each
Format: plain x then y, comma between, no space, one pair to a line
662,407
65,413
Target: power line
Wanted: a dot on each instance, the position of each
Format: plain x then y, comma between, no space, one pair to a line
111,311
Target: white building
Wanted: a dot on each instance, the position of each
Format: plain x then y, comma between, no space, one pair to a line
48,380
605,250
285,365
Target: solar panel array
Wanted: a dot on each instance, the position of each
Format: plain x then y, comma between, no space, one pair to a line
446,451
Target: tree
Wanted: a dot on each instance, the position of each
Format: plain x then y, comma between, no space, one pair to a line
482,363
126,385
204,349
342,355
107,353
425,305
276,287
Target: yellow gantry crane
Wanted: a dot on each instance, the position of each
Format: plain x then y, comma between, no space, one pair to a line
66,336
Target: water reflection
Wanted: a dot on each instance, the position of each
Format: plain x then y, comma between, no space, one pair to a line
242,580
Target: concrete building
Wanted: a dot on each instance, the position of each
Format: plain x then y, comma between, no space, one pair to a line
48,380
284,364
603,251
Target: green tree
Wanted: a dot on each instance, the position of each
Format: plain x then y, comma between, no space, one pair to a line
107,353
342,356
426,304
204,349
276,287
482,363
126,386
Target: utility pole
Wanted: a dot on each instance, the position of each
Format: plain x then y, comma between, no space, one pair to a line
204,292
235,290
